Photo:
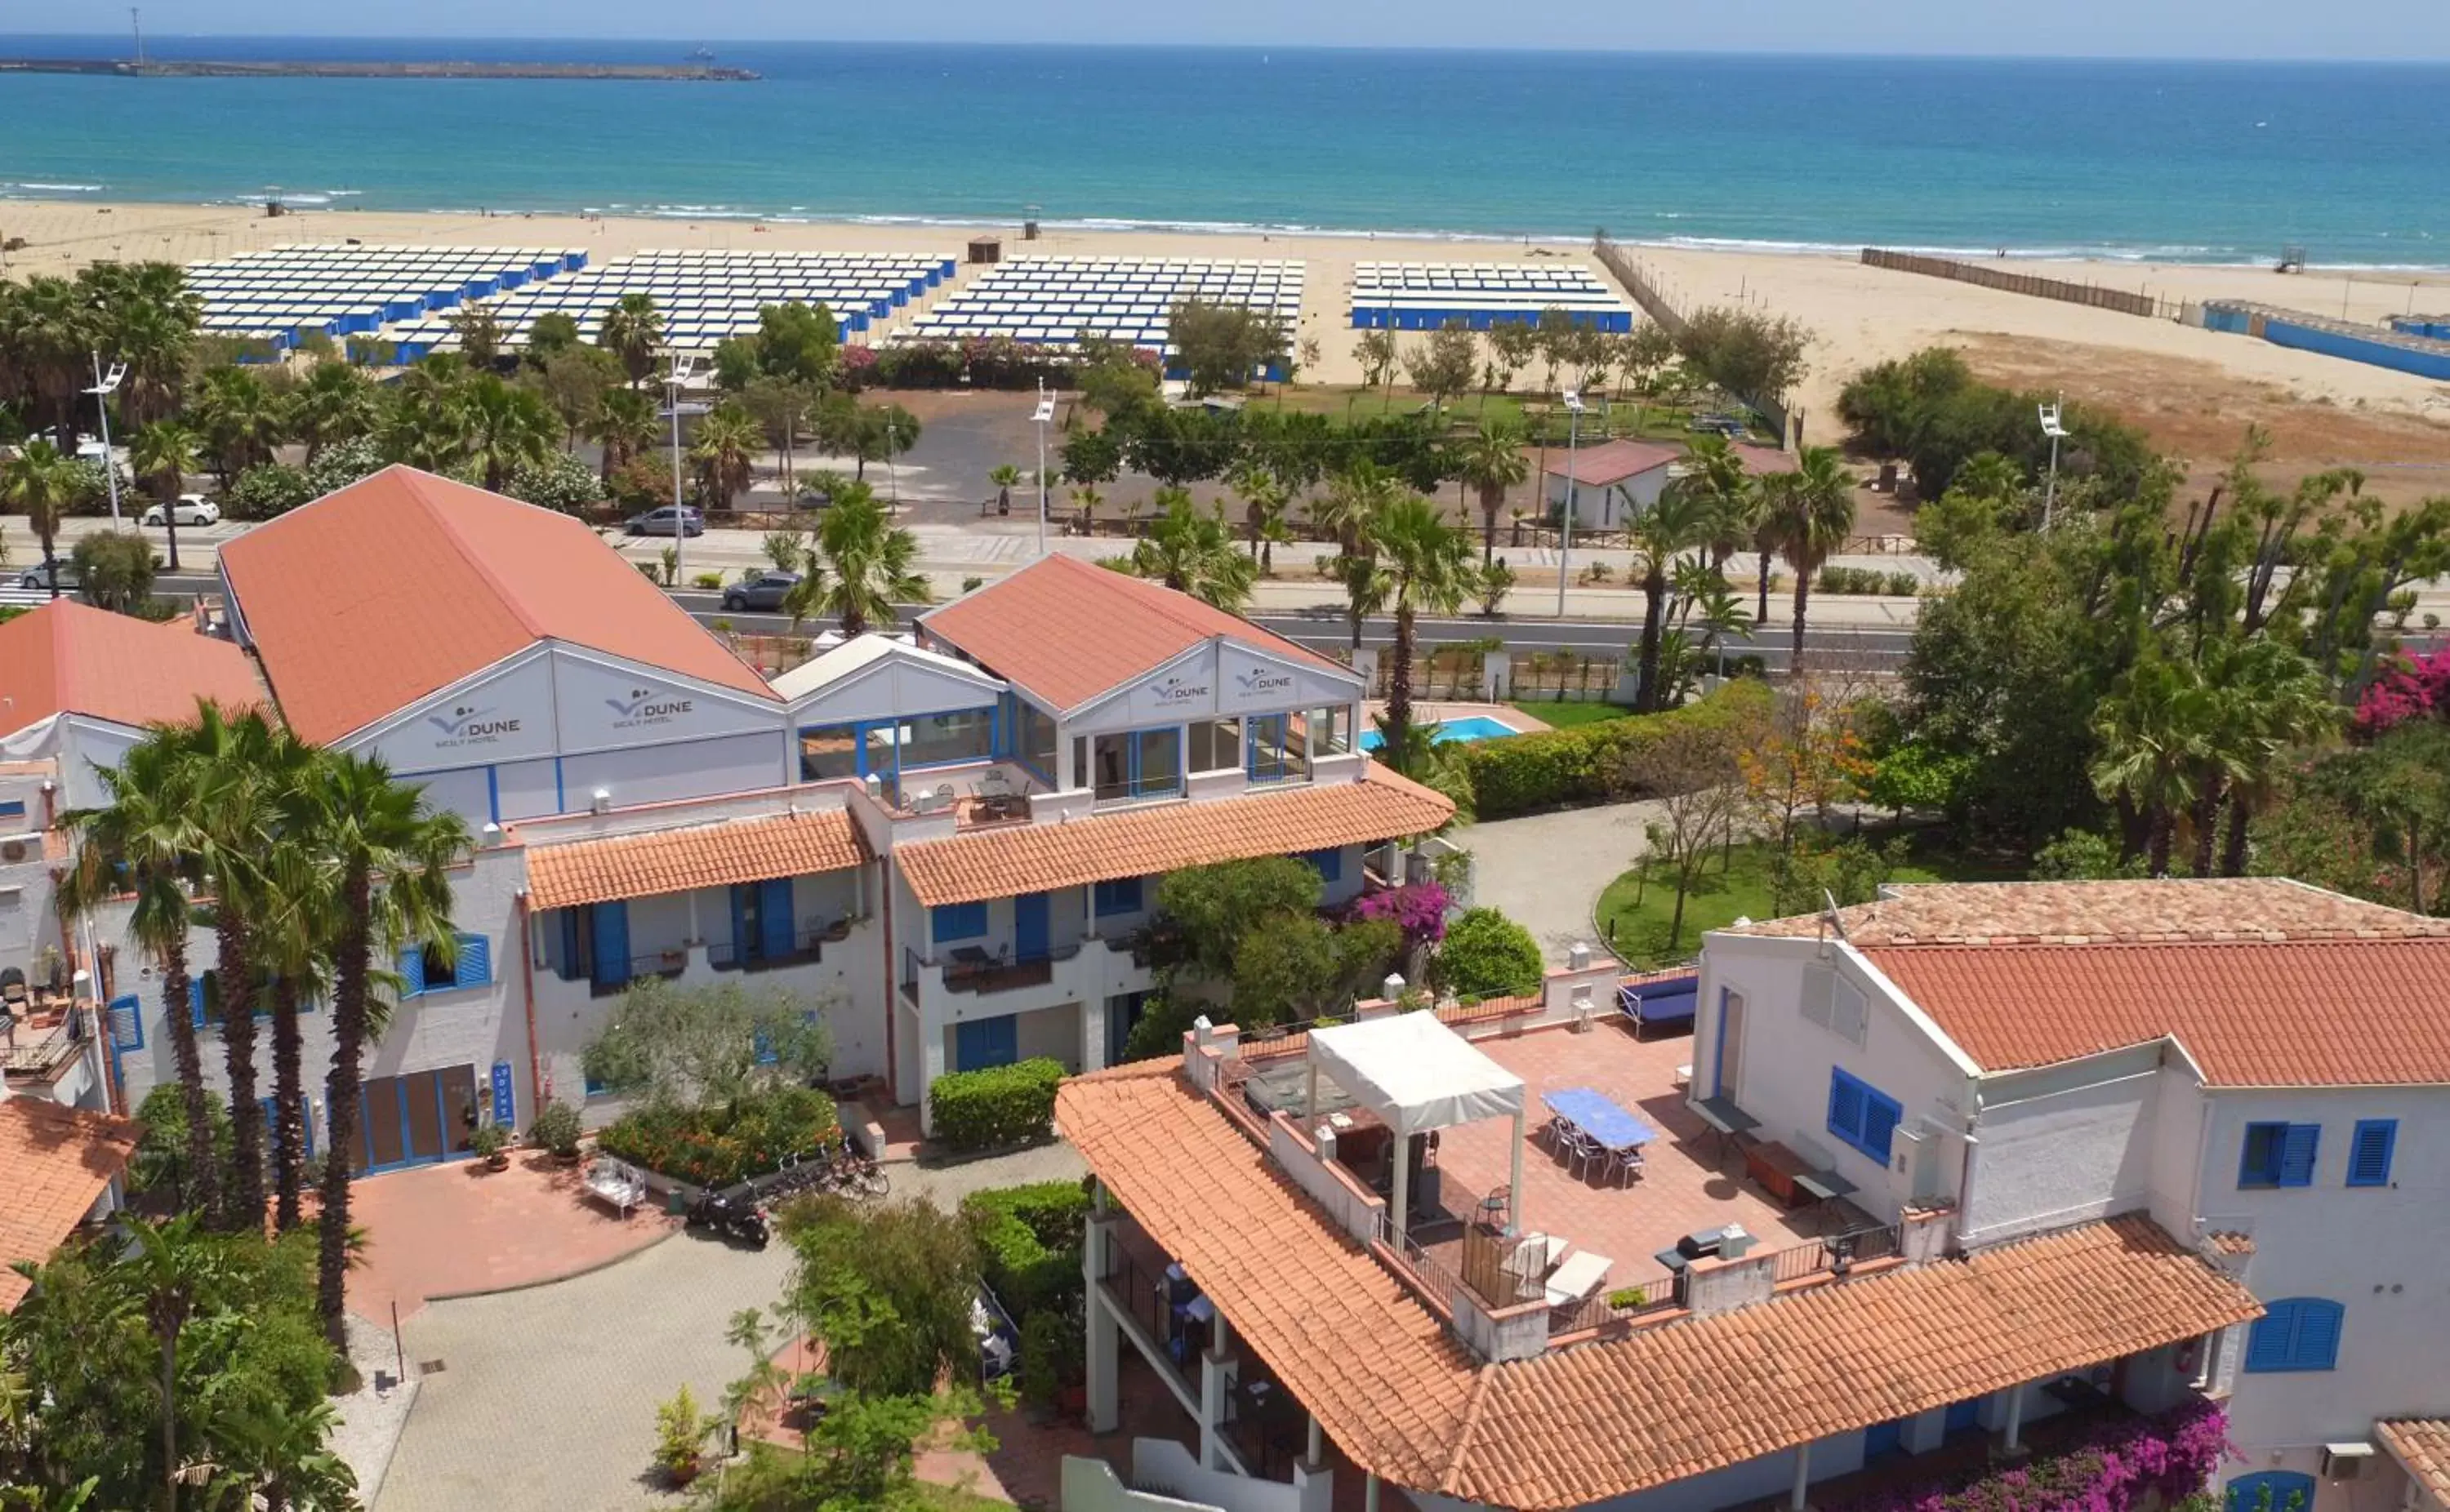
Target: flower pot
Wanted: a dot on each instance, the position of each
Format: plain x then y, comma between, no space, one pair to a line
499,1160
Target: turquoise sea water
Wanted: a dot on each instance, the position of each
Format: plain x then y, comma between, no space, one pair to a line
2212,162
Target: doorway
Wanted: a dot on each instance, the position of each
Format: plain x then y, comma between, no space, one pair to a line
1730,1059
415,1120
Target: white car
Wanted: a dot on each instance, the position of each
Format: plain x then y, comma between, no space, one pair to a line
191,509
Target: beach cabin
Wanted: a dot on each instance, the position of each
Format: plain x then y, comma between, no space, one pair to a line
1608,485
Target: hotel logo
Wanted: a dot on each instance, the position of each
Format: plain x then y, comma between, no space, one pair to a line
471,725
648,706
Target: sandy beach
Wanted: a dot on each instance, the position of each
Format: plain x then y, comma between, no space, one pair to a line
1858,315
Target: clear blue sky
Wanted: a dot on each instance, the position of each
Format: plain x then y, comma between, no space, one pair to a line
2187,28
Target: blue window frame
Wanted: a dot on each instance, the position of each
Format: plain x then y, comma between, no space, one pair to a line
957,921
2369,1151
1329,863
978,1043
885,748
2270,1491
2278,1155
1120,896
2295,1333
13,808
127,1018
1267,759
422,969
1862,1115
196,990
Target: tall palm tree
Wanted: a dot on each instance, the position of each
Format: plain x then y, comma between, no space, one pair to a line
296,906
1490,461
864,566
2151,734
631,330
1809,518
1193,552
151,322
142,846
624,425
2267,699
41,484
1428,566
1348,514
47,331
162,455
336,403
229,762
725,453
506,427
1661,536
1005,478
239,418
389,852
1265,497
1715,470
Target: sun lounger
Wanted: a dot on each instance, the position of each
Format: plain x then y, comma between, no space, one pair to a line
1581,1274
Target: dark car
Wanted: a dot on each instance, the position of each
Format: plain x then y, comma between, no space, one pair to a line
764,592
666,522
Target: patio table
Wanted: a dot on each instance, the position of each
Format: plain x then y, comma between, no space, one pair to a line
1725,1120
1597,1114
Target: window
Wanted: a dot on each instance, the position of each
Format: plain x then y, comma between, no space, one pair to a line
1216,745
1278,752
828,752
1861,1116
936,740
2295,1333
424,969
1835,1003
1121,895
1329,863
957,921
2369,1151
1134,764
13,808
1033,737
125,1017
2278,1155
2270,1491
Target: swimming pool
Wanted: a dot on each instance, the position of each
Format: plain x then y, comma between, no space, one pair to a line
1479,726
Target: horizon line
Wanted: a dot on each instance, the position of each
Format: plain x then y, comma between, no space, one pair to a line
1867,55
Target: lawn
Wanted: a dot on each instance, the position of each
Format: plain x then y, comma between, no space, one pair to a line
1623,416
1564,713
1638,931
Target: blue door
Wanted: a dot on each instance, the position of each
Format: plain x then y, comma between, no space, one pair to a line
611,931
774,918
2271,1491
978,1043
1122,1013
1963,1416
1029,927
1885,1438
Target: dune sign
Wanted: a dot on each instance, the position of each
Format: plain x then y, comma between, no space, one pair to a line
465,725
645,708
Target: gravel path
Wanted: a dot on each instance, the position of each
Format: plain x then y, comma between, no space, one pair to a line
1545,872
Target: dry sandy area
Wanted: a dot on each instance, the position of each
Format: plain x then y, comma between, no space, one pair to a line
2191,386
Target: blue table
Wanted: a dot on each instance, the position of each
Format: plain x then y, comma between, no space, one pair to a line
1598,1116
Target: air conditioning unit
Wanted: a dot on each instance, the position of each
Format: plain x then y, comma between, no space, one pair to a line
2347,1462
12,851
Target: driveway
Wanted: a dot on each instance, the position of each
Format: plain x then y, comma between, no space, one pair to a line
547,1396
1545,872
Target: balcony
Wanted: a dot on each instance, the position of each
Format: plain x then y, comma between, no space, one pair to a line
808,949
968,969
46,1042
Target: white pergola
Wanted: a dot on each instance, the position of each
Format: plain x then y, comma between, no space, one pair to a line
1418,1074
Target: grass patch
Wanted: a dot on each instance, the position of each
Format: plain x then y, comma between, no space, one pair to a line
1561,713
1624,418
1637,932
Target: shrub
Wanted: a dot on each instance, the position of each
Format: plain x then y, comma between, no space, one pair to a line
1029,1243
2112,1466
680,1434
1587,763
556,1129
1487,955
489,1140
1904,585
159,1163
708,581
1001,1105
720,1145
1418,908
1054,1355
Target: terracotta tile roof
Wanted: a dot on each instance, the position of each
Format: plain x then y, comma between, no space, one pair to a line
1762,459
1068,631
2317,1013
2422,1446
1611,461
2082,912
2224,1242
1604,1420
68,657
672,861
374,596
1145,841
1584,1425
54,1163
1381,1374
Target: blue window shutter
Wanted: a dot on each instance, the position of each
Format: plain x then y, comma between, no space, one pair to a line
2318,1335
571,967
2369,1151
412,970
127,1018
948,921
196,1001
2268,1343
1329,862
2295,1333
476,965
2296,1155
774,924
740,944
1845,1106
612,928
1880,1121
2258,1161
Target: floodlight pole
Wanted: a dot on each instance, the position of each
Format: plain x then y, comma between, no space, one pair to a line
677,376
2053,428
1565,540
1046,411
103,387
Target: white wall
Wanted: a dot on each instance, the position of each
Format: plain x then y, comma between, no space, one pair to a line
655,774
2066,1144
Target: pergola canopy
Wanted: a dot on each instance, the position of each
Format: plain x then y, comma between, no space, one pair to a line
1415,1073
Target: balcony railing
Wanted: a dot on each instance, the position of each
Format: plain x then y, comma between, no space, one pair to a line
1834,1256
665,964
992,976
807,947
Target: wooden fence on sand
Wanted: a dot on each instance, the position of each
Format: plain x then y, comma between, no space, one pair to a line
2124,302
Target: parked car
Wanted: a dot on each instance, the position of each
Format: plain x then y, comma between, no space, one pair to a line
764,592
666,522
188,509
39,575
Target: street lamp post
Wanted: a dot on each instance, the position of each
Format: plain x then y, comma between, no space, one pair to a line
1045,413
1573,495
676,378
2056,431
105,385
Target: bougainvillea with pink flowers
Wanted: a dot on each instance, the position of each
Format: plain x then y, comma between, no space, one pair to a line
2411,688
1419,909
2112,1466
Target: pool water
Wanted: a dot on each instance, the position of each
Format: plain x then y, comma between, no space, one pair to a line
1479,726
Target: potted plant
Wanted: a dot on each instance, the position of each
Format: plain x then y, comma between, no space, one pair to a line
680,1436
556,1129
491,1143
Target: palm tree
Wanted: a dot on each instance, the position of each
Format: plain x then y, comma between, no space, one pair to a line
1005,478
1193,552
162,455
1680,522
1087,496
1428,566
295,905
2269,699
146,318
48,331
865,565
505,427
895,431
725,453
624,425
239,418
1715,470
1809,518
142,845
631,330
41,484
1349,515
336,403
1491,462
2151,735
177,1271
389,852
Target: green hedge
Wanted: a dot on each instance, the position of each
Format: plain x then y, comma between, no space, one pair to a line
718,1146
1001,1105
1029,1243
1487,955
1585,764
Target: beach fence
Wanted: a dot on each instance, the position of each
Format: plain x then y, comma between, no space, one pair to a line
2125,302
2378,346
1629,271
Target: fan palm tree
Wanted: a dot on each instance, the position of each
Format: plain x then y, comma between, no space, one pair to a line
296,906
47,331
162,455
1348,514
1661,536
1088,498
1715,471
725,453
1193,552
864,566
624,425
336,403
1428,566
149,322
2269,699
389,852
239,418
1490,461
1005,478
505,427
1265,499
42,485
142,846
2151,736
1808,520
631,330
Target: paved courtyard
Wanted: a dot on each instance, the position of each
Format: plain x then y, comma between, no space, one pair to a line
547,1396
1547,871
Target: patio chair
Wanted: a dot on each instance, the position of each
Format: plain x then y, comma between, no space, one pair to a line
1623,1164
1580,1275
1582,1153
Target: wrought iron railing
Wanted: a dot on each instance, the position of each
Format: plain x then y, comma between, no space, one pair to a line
1834,1256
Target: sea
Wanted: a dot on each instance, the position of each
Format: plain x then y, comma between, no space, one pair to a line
2192,161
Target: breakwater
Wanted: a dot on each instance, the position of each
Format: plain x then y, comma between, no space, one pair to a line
307,68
